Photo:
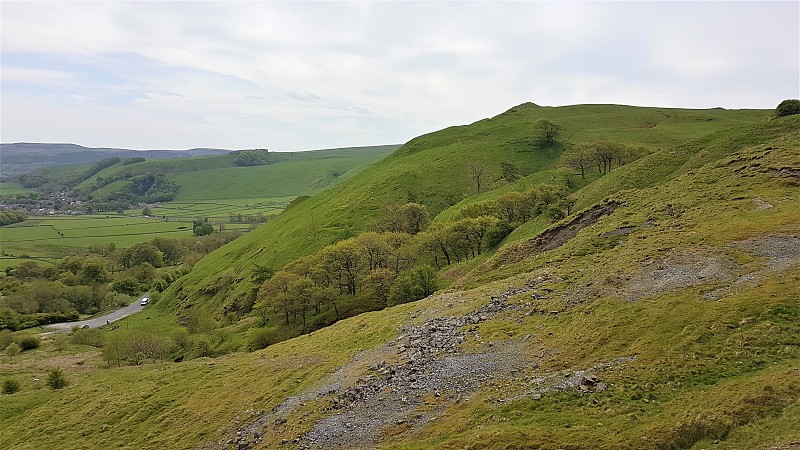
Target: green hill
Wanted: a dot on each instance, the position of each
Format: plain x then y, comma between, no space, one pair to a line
437,170
661,314
209,177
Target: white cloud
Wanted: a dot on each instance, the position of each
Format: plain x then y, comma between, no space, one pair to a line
325,74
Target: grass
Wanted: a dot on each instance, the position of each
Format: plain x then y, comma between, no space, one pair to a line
56,236
435,170
205,191
10,188
205,178
704,370
219,210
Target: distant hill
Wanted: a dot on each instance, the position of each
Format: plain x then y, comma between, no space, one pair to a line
24,156
113,183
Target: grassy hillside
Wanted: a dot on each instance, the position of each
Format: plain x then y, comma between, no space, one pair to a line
669,322
209,177
436,170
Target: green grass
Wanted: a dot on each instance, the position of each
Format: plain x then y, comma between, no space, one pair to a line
205,178
704,370
218,210
435,170
206,191
39,236
9,188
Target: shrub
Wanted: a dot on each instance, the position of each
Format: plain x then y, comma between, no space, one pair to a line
788,107
29,343
10,386
12,350
88,336
201,346
56,379
136,346
6,338
261,339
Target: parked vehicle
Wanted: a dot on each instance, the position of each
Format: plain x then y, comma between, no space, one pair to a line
144,301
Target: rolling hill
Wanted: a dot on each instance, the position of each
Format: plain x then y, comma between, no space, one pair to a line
662,313
436,170
23,156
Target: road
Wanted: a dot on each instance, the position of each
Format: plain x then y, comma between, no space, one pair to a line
97,322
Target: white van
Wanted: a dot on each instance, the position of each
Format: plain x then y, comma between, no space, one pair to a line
144,301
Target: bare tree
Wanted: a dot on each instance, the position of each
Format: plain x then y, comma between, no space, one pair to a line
477,175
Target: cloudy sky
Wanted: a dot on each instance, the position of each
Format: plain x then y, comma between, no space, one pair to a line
298,76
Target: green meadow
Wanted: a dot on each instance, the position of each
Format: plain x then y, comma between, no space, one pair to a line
50,238
10,188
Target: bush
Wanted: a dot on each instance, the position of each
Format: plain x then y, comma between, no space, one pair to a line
6,338
201,346
10,386
136,346
56,379
261,339
29,343
88,336
788,107
12,350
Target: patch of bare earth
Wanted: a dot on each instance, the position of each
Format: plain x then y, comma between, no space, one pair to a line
680,270
409,382
551,238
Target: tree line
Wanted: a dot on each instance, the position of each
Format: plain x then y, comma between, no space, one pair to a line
102,279
397,261
8,217
602,155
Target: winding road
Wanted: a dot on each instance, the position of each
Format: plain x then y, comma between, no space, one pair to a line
97,322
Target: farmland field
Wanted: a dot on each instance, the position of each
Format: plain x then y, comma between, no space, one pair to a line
219,210
47,239
12,188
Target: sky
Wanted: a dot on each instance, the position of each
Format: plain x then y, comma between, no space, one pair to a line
291,76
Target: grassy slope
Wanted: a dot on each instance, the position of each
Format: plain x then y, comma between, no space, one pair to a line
9,188
435,170
296,173
710,370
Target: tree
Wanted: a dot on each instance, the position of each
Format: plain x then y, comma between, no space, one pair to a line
547,132
603,156
375,249
410,218
202,227
144,252
579,157
147,212
477,175
302,289
381,281
275,295
344,262
788,107
171,249
56,379
136,346
94,273
415,217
